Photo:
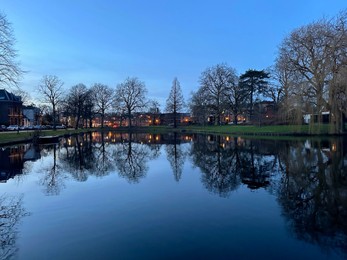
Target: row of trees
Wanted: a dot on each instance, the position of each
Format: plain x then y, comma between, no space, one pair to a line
85,103
309,77
222,90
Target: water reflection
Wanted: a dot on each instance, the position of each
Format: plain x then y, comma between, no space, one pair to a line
313,192
53,173
131,158
176,154
308,178
218,162
12,160
11,211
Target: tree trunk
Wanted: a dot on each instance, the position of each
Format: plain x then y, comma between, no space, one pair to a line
54,127
175,119
129,118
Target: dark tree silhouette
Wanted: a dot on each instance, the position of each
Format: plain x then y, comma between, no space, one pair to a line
254,82
103,99
175,102
10,71
215,83
130,96
51,91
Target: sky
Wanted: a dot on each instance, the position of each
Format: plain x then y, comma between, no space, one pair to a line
106,41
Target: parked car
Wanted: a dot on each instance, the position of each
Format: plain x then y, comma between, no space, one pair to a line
3,128
13,128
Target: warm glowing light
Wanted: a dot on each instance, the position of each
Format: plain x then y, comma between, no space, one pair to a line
333,147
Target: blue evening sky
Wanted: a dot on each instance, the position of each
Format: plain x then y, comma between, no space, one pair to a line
85,41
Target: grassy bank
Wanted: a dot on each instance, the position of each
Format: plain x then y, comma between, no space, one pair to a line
277,130
27,136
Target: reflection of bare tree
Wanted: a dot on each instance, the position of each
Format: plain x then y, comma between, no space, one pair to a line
78,157
217,165
226,162
11,211
176,156
103,163
257,164
131,160
313,193
53,179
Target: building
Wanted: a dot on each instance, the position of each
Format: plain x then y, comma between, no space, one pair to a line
10,108
181,119
32,115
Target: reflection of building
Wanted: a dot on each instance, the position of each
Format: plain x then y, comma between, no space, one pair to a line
12,160
10,108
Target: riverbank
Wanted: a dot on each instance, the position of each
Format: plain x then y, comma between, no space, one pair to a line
8,138
239,130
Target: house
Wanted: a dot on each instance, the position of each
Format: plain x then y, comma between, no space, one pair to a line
32,115
10,108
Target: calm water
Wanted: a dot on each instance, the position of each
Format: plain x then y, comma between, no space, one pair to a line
174,197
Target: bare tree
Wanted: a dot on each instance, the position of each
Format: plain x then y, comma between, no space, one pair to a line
175,102
306,52
337,84
51,90
103,99
10,71
316,55
131,96
215,82
76,101
198,106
